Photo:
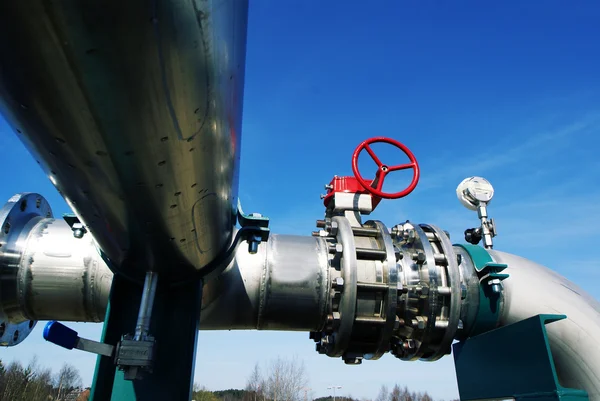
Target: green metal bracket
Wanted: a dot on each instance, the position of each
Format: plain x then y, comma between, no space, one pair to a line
257,226
523,369
488,313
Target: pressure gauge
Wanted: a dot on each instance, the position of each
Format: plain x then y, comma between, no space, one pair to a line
473,191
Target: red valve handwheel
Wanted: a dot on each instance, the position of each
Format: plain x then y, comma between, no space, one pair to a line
384,169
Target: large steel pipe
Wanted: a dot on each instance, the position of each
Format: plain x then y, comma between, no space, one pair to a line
533,289
292,283
133,109
56,276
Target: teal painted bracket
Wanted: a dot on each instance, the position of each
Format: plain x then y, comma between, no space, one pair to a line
489,301
522,369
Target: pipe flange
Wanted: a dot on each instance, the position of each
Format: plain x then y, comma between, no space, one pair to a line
347,303
20,211
391,295
430,302
454,284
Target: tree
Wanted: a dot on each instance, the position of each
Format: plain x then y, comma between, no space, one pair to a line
383,394
254,385
201,393
67,380
396,393
283,380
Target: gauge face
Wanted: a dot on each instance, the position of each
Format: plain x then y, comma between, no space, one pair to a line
474,190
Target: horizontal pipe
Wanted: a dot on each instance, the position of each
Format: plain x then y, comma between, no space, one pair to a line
59,277
284,286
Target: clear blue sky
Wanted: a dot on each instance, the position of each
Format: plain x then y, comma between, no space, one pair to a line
506,90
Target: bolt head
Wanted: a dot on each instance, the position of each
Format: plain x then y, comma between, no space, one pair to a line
397,231
398,253
496,286
422,290
353,361
421,323
333,228
421,257
338,283
463,291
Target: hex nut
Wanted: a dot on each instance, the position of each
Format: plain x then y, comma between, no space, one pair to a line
338,283
333,228
353,361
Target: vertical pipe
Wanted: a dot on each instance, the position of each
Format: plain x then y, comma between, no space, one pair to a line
145,313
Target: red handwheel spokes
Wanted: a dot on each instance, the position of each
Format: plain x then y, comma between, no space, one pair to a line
383,169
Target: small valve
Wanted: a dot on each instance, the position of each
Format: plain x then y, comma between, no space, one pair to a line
59,334
359,194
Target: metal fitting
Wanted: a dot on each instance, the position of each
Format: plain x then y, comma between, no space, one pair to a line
353,361
336,319
410,235
496,285
419,322
332,228
337,248
338,283
419,257
463,291
422,290
396,231
78,230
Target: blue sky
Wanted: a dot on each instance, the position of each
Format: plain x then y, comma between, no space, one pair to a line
506,90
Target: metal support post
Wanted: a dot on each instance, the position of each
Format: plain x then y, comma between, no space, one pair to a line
173,322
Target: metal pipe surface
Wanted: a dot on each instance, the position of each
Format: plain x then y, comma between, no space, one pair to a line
133,109
58,277
148,295
282,287
533,289
286,286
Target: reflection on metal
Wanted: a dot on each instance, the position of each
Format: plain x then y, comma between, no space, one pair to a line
133,109
18,219
414,292
534,289
45,269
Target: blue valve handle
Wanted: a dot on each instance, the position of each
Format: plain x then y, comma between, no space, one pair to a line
59,334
